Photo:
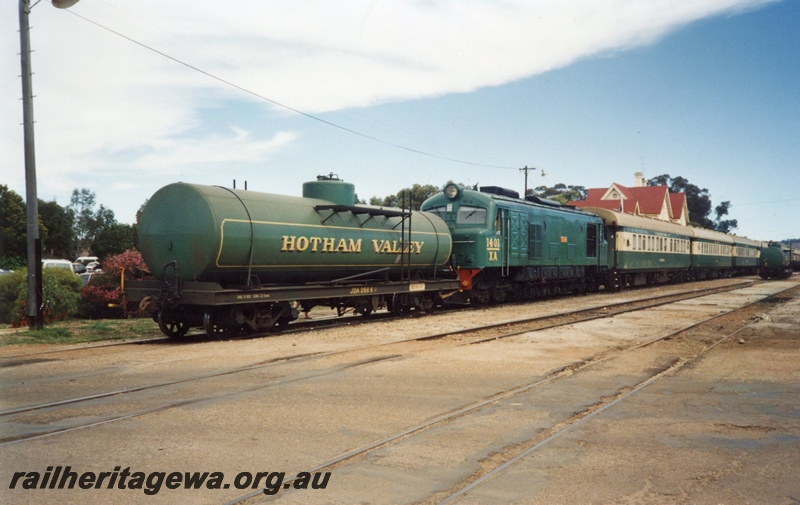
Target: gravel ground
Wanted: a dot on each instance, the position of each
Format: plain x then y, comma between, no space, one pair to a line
722,429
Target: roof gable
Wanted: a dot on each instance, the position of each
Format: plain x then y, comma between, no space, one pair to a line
678,202
654,201
651,198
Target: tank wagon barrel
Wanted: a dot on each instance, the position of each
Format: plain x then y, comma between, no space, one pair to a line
230,236
775,262
234,259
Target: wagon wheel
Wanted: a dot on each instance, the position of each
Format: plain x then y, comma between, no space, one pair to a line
401,305
171,324
213,327
364,310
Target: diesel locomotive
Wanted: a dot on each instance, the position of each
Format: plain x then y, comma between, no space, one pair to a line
232,261
505,247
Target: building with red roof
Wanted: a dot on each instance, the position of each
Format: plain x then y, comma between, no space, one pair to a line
641,200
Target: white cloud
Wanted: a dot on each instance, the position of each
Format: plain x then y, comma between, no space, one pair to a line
104,102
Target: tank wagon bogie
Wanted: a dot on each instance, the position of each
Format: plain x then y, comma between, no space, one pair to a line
230,260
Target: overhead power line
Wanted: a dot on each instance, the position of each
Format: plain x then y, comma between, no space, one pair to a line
284,106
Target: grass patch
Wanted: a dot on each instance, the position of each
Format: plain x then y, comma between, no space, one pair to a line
78,331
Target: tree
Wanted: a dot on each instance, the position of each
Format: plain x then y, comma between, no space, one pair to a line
414,196
13,229
113,239
560,193
61,294
724,225
88,221
59,240
697,200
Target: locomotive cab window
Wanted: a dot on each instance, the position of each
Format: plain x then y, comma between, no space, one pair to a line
439,211
471,215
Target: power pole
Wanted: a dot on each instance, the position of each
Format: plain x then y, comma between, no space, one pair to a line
526,169
31,194
31,197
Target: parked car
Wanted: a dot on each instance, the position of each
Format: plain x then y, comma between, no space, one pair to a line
51,263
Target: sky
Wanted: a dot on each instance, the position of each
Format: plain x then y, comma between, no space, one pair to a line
132,96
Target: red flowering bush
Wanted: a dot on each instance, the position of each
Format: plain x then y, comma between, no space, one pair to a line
102,296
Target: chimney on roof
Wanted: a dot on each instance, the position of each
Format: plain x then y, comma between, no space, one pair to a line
639,180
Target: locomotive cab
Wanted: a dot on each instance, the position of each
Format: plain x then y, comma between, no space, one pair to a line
476,227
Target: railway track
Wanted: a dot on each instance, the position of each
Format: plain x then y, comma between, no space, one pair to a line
10,360
648,359
18,359
580,379
285,369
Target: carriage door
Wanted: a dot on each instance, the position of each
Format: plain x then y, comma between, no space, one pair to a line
593,234
515,238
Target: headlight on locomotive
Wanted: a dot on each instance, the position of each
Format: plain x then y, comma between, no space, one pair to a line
451,191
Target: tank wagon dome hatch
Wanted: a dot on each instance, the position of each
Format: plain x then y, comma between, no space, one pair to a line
330,188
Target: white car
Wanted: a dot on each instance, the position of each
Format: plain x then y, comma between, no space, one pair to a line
66,264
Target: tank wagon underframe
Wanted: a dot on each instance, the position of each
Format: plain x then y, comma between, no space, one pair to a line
224,311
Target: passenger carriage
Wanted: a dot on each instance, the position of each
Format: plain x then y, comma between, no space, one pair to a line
745,255
712,254
645,251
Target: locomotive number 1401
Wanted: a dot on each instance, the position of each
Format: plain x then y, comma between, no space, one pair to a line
493,248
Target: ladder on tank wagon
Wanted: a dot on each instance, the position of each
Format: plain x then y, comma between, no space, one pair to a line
405,229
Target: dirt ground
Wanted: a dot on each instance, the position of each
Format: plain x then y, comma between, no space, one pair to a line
723,427
724,430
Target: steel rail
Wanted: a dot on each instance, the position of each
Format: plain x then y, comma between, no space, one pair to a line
281,359
564,372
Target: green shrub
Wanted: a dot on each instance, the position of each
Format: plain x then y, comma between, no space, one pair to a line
60,296
9,292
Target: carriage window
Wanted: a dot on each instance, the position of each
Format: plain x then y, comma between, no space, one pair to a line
471,215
